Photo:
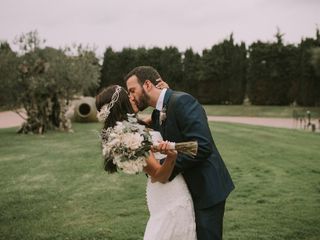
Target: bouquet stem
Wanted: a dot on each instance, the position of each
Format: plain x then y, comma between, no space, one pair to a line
187,148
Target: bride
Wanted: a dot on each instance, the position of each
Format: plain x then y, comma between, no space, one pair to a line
170,204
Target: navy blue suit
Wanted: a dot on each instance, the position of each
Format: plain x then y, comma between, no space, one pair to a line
206,175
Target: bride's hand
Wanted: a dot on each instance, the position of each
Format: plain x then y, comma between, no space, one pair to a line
164,147
161,84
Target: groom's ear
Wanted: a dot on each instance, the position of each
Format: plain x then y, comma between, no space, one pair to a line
148,85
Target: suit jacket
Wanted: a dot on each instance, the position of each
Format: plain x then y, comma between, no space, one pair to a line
206,175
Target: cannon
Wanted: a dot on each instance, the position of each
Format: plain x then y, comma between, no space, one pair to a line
83,110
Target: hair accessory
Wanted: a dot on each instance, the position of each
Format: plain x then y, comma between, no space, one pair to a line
104,112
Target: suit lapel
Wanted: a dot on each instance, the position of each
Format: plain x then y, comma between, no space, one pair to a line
167,97
165,105
155,124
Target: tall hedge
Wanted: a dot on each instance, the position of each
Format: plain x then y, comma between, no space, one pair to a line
269,73
223,73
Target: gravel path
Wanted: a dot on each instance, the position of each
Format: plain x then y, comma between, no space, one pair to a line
259,121
11,119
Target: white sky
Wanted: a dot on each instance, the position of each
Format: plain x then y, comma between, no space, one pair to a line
134,23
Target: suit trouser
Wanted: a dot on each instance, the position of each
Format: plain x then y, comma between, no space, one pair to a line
209,222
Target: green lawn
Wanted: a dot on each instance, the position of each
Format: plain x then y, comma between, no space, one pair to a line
259,111
53,186
256,111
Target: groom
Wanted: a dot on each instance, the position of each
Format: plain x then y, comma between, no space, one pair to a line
180,118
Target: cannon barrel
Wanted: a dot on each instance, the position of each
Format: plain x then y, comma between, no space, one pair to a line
85,110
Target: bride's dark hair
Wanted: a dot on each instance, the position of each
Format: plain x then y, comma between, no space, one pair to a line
118,112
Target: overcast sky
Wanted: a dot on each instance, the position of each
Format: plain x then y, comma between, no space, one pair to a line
134,23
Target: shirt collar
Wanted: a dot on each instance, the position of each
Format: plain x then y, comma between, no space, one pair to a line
159,105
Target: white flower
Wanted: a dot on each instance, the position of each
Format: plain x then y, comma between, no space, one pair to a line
130,167
105,150
118,129
132,140
114,142
103,114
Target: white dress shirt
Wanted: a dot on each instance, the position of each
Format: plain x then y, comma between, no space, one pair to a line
159,104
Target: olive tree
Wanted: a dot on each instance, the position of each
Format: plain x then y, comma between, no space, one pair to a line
46,79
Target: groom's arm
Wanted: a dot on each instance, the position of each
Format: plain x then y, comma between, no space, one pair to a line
193,125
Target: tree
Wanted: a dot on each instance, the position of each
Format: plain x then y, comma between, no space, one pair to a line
315,59
117,64
171,67
315,55
271,72
109,70
29,41
127,60
8,75
223,73
308,90
46,80
191,71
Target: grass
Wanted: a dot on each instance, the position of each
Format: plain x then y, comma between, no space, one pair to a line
53,186
256,111
277,176
259,111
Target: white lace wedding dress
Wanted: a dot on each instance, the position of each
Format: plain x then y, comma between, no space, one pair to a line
171,210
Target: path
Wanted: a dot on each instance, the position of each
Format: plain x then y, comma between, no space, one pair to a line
11,119
259,121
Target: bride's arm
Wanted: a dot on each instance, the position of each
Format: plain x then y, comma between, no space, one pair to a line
157,172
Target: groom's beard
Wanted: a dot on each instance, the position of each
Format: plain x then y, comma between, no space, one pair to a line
143,101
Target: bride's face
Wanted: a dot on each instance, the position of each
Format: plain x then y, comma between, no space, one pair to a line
133,105
137,93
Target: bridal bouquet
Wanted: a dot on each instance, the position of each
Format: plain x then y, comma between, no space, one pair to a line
129,142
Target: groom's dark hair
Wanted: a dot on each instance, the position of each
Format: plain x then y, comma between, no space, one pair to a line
144,73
